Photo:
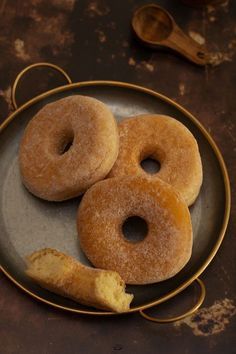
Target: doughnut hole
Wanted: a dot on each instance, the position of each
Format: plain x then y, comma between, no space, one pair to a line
135,229
65,142
150,160
150,165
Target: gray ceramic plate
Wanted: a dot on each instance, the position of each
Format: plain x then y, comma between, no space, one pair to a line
28,223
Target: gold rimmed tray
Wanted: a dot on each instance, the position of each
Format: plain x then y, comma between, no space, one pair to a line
28,223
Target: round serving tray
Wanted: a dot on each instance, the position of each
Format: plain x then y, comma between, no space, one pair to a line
28,223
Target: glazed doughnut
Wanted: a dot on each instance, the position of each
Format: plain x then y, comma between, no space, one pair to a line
65,276
170,143
68,145
168,244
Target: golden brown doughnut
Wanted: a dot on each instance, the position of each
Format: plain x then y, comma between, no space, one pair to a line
65,276
168,244
164,139
48,170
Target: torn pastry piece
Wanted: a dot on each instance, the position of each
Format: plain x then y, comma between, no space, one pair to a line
63,275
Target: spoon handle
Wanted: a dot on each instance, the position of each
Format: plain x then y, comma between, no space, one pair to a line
186,46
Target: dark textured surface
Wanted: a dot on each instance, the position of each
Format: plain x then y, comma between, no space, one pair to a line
92,40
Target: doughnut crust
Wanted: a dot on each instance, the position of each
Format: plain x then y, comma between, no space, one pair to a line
47,169
65,276
167,140
168,244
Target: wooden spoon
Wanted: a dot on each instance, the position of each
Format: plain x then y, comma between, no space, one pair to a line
155,27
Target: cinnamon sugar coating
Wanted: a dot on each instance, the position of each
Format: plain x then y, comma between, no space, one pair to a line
168,244
68,146
167,140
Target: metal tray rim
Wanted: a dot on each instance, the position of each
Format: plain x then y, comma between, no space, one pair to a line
210,140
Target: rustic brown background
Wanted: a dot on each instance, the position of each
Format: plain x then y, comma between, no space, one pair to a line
92,40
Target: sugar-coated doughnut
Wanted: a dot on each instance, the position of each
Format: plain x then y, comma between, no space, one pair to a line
68,146
65,276
168,244
164,139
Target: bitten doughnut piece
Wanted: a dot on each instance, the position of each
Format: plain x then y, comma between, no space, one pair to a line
167,246
65,276
68,146
166,140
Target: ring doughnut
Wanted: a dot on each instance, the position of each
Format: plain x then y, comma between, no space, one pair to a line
170,143
168,244
68,145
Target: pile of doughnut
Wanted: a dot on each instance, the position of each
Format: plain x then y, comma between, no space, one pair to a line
74,146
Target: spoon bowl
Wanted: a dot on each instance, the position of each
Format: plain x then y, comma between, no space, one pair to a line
155,27
152,24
